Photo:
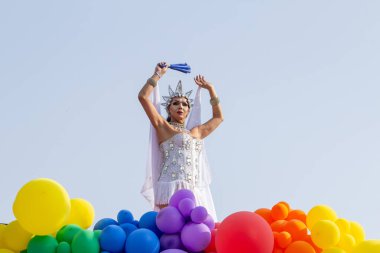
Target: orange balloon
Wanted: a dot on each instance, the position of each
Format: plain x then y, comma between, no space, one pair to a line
299,247
278,226
282,239
310,241
279,212
286,204
297,229
298,215
265,213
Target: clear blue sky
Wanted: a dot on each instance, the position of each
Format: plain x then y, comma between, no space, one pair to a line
298,83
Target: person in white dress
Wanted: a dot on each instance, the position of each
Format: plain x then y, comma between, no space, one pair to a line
177,158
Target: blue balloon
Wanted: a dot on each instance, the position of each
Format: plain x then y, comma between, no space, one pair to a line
101,224
112,238
136,223
125,216
128,228
148,221
142,241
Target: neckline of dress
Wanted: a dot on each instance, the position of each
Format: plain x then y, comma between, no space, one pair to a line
168,139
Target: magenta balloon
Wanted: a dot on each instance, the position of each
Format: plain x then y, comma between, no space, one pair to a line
209,222
169,220
195,237
199,214
185,207
172,241
180,195
173,251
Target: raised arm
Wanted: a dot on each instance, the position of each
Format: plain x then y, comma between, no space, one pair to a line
207,128
144,95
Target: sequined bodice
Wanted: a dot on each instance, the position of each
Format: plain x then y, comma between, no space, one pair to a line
180,155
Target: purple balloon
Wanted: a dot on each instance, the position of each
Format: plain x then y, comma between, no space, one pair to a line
172,241
173,251
209,222
195,237
180,195
185,206
169,220
199,214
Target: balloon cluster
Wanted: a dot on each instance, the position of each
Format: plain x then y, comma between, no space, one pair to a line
185,225
48,221
289,229
129,235
320,230
334,234
42,207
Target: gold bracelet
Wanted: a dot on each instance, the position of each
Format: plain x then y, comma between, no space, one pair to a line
152,82
214,101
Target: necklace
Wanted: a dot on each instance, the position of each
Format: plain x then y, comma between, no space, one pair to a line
178,126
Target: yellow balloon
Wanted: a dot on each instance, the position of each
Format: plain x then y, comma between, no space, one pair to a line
2,228
82,213
15,237
325,234
369,246
347,242
344,225
320,212
333,250
357,231
6,251
42,206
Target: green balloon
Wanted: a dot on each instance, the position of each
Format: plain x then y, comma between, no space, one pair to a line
85,242
67,233
97,233
42,244
63,247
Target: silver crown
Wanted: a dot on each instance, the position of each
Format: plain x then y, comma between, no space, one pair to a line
177,93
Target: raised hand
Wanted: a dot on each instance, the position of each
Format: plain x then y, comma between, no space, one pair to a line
161,68
201,82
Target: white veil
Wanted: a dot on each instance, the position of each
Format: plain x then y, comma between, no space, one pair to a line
202,190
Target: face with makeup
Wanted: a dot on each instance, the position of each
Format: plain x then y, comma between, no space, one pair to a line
179,109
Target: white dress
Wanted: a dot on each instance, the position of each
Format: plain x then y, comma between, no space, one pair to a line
179,168
178,163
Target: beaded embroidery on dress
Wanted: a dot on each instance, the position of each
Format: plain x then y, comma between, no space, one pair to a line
180,166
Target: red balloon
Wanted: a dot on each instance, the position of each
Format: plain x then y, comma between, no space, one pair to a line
211,247
244,232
